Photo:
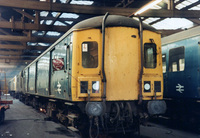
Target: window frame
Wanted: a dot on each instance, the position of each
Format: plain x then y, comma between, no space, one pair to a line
147,46
175,55
165,62
87,50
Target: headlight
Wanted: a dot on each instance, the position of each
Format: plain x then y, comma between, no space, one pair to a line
147,86
95,86
95,108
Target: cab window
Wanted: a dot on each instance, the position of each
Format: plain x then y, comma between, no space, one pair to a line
150,55
90,54
177,59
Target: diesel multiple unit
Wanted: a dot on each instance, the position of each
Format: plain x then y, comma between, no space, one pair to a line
102,75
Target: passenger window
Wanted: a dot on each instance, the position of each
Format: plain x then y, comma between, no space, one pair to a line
164,62
182,64
58,64
90,54
150,55
174,67
177,59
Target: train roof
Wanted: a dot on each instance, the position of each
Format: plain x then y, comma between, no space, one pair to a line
111,21
181,35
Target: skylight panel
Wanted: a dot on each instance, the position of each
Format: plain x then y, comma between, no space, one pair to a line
43,44
149,20
185,4
31,44
63,1
43,13
195,7
173,24
33,31
180,6
48,22
69,15
42,21
40,33
59,23
69,22
82,2
175,1
52,33
54,14
192,1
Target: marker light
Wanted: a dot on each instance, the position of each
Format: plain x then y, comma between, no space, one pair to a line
95,87
147,86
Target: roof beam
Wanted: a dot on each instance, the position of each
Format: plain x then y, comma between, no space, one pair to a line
170,13
25,14
82,9
48,6
17,53
21,47
14,61
29,26
27,39
18,57
7,66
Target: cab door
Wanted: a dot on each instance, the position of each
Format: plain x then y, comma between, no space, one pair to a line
59,76
176,73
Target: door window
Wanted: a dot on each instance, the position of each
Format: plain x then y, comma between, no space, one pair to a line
177,59
90,54
150,55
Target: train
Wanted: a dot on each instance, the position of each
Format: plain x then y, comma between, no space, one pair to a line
104,75
181,66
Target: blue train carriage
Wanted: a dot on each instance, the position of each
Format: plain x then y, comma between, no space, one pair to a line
105,69
181,66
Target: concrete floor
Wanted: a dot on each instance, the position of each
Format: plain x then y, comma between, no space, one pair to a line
159,131
23,121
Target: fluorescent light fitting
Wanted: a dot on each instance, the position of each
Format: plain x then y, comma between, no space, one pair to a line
148,6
